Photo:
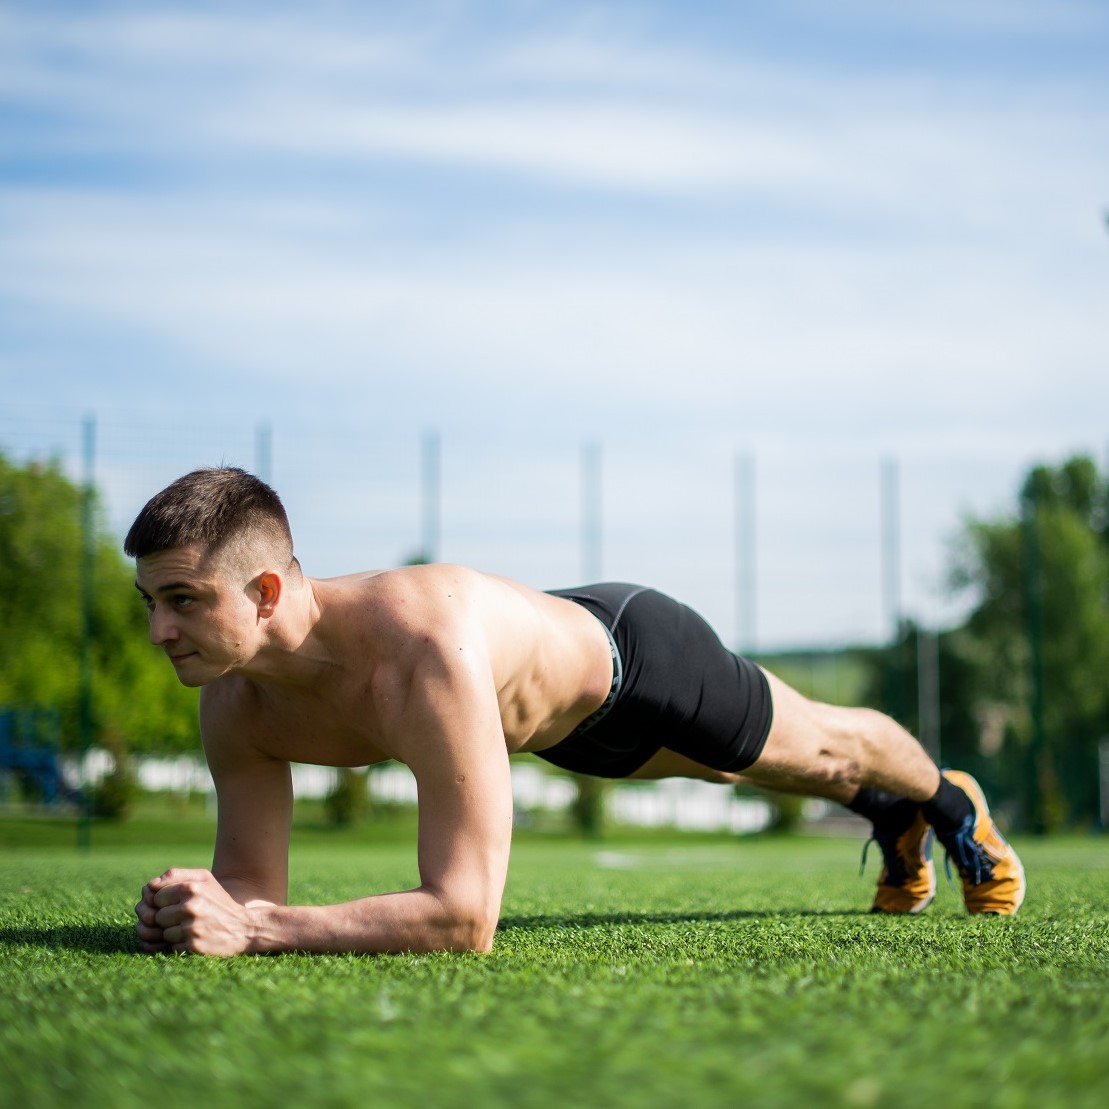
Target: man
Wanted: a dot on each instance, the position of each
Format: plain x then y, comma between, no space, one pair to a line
450,672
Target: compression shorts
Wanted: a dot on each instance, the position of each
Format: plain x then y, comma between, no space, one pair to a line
675,685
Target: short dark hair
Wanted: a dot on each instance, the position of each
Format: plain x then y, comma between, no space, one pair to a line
209,508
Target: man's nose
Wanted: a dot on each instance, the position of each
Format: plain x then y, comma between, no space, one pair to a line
162,629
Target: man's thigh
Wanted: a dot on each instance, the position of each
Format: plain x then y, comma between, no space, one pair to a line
669,764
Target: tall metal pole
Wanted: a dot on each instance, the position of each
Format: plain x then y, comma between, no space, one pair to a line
891,584
88,557
1034,630
591,511
745,552
891,547
430,480
263,453
589,806
928,690
1103,782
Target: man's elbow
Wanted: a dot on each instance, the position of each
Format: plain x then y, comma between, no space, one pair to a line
472,932
483,937
466,927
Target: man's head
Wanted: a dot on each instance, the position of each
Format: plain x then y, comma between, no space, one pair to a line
217,510
214,556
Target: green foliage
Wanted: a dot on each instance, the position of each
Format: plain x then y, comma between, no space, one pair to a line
136,699
695,972
348,801
788,812
589,805
1023,698
1040,631
115,794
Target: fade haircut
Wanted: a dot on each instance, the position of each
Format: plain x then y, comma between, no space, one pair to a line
211,508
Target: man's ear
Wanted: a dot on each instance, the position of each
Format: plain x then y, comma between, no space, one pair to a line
269,586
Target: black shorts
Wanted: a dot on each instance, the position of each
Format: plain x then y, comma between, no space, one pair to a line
675,685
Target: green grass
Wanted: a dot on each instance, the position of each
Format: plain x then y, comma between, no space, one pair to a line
648,970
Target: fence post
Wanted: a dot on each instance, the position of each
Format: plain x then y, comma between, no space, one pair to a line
88,562
589,806
1038,800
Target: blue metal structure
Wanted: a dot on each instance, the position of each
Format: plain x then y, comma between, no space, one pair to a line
29,750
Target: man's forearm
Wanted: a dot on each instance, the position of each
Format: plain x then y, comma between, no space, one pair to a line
413,921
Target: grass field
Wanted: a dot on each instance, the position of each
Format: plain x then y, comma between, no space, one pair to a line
644,971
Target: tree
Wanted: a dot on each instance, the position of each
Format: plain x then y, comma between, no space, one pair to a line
1039,632
137,702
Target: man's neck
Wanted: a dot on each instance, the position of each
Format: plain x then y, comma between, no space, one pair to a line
294,654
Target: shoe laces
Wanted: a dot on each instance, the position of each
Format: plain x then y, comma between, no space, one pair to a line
866,847
895,865
970,856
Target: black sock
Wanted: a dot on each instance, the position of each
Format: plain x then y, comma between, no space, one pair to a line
872,803
893,813
948,809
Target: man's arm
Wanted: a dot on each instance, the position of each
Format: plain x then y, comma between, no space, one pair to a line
251,860
254,794
448,731
444,717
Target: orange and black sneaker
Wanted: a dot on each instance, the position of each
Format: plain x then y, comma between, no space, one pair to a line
907,882
992,874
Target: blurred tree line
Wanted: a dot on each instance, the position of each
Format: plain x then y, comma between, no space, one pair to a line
1023,697
1024,682
137,702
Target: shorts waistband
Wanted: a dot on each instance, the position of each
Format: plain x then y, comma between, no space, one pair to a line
614,689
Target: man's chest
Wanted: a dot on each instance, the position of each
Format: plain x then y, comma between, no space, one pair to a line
327,733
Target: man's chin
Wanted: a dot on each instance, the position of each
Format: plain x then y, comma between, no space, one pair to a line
189,672
192,681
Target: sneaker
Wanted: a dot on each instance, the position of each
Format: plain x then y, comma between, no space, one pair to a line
993,878
907,882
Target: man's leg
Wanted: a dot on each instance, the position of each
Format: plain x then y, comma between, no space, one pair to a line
832,751
868,762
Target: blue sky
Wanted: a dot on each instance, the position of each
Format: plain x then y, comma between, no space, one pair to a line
821,235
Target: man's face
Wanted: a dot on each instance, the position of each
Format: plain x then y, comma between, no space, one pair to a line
200,613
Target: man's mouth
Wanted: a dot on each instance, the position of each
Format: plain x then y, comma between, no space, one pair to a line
175,659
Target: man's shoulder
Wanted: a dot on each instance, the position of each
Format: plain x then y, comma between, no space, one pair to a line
228,707
397,620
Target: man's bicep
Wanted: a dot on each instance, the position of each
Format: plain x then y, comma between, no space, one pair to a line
466,822
255,799
465,794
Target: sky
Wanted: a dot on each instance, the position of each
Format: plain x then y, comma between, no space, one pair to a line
810,243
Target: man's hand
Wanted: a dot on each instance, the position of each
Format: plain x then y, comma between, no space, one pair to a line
188,910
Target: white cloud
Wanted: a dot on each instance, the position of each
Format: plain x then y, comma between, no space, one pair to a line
834,327
629,147
577,225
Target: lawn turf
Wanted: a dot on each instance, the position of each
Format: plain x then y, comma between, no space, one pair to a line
697,971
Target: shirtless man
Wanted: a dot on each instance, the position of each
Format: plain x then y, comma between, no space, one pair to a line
450,672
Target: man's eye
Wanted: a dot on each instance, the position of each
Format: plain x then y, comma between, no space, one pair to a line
181,601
